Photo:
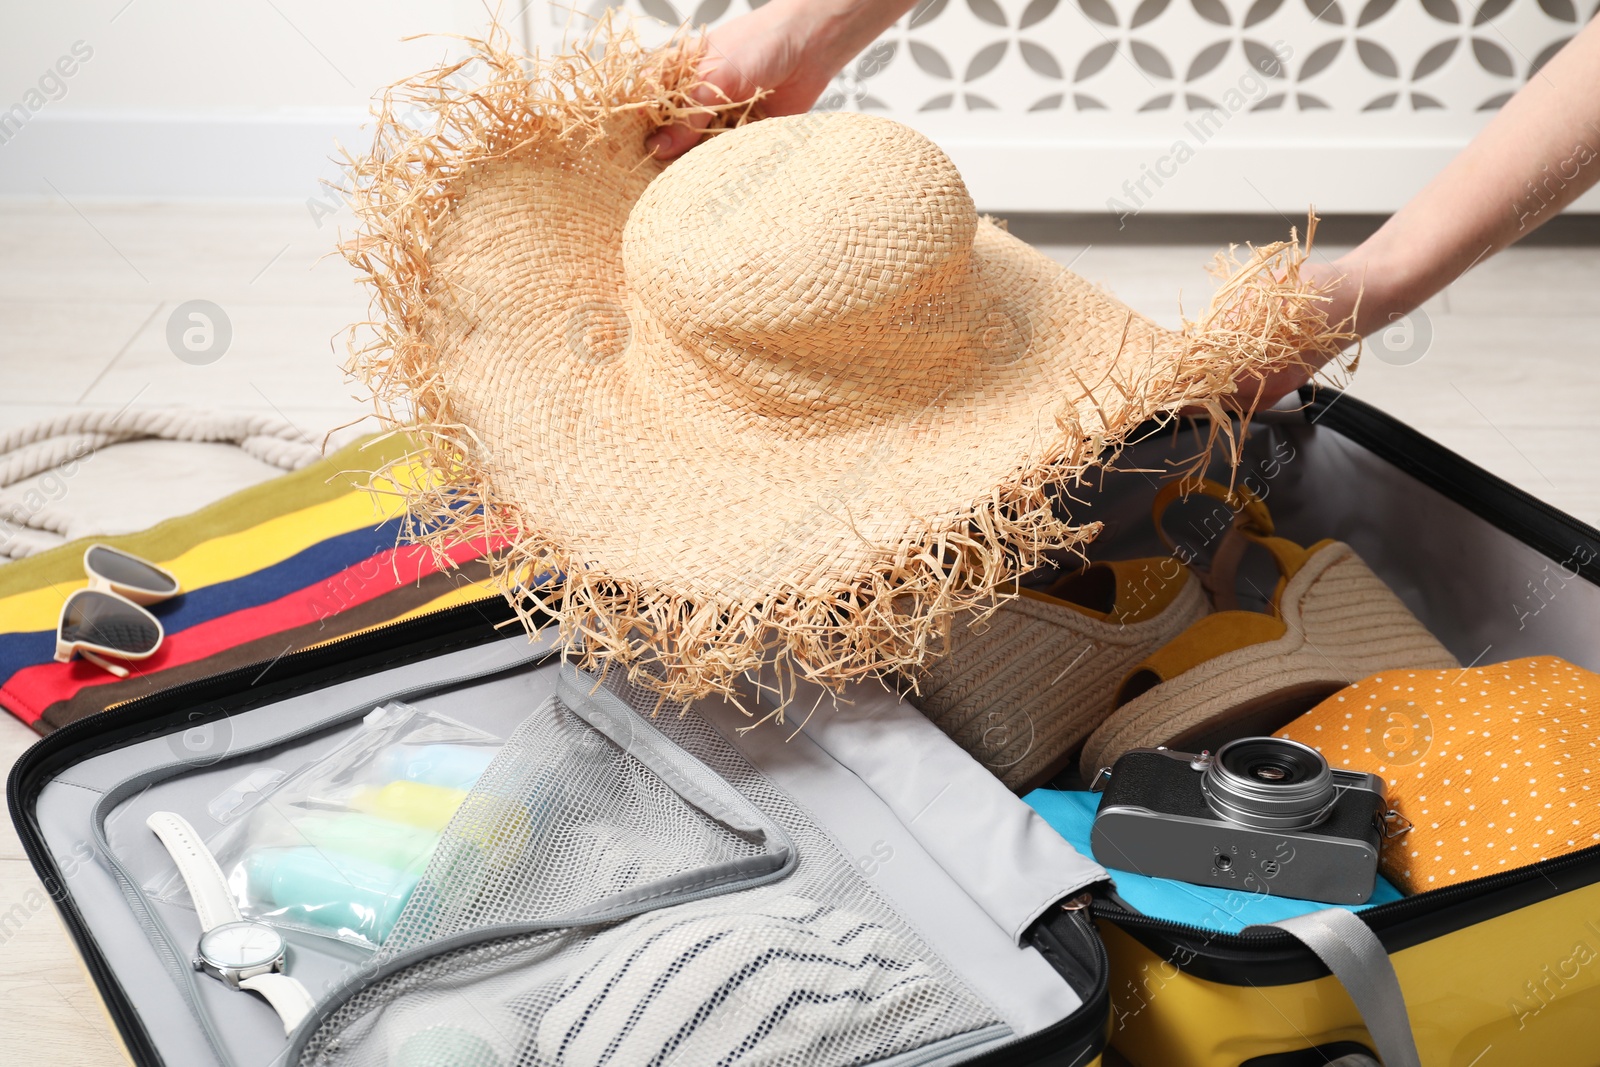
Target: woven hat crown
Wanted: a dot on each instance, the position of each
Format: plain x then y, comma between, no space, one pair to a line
804,264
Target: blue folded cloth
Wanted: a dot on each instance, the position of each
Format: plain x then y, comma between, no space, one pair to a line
1071,814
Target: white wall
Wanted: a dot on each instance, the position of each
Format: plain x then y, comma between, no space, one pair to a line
213,98
247,98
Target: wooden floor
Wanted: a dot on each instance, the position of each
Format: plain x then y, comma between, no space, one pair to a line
1511,380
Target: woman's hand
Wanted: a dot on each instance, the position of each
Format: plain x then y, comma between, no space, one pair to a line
1362,297
789,48
1341,282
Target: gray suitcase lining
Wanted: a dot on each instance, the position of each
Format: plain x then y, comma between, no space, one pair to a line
193,1019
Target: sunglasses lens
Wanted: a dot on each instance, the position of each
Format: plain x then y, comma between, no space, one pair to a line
129,571
106,621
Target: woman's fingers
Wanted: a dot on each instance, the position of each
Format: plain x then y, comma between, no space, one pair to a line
721,84
670,142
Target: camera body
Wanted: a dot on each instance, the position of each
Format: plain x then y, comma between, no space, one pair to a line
1263,815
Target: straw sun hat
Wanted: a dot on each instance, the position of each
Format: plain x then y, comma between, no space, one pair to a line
786,400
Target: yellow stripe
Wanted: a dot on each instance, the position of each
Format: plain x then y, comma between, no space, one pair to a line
225,558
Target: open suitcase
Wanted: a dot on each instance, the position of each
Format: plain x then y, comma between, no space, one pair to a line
874,895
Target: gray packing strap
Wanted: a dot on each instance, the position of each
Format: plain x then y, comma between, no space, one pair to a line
1358,959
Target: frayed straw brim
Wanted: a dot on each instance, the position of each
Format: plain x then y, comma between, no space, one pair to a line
808,439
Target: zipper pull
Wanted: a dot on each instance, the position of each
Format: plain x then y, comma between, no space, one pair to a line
1079,902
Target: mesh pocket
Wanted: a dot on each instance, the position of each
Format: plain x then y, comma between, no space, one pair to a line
805,967
587,814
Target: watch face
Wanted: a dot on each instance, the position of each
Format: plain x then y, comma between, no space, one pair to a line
241,944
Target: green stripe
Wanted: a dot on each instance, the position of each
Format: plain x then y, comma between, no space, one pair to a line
299,489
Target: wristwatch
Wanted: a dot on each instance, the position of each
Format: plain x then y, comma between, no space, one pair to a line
236,951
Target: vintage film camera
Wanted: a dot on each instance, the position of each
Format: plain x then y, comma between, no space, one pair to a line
1261,815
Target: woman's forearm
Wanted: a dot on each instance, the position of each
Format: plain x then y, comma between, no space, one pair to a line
835,31
1534,158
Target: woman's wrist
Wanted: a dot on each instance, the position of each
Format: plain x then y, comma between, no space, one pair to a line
834,31
816,24
1397,271
1376,287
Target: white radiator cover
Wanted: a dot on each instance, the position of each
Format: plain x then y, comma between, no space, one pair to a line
1258,106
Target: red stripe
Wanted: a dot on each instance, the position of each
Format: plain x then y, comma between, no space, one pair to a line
30,690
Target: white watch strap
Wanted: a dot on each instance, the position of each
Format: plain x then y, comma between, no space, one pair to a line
287,997
207,887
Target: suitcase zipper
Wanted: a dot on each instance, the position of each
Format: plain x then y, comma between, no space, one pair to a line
256,671
387,629
1390,915
1020,1051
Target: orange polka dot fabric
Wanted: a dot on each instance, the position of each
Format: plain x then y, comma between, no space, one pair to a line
1495,767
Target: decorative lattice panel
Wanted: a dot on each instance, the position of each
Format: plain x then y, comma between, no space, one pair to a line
1236,105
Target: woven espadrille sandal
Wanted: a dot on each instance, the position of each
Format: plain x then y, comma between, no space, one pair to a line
1021,689
1239,673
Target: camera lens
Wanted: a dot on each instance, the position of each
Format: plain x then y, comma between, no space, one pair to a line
1271,761
1269,782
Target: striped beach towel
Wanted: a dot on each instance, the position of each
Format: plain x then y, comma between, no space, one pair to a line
293,562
